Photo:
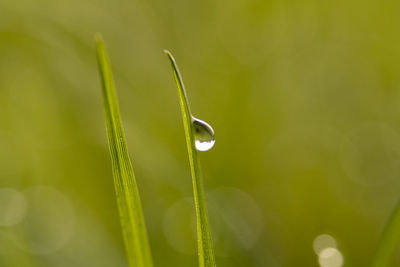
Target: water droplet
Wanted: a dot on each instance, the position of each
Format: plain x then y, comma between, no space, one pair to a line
204,135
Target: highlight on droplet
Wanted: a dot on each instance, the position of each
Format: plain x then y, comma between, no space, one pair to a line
204,135
325,246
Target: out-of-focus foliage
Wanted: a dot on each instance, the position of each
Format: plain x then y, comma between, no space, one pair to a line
304,98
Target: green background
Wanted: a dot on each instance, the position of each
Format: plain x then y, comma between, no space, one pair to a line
304,98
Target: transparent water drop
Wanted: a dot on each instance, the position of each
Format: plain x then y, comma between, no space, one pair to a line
204,135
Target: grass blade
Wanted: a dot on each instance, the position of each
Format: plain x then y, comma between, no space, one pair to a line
205,248
389,241
130,209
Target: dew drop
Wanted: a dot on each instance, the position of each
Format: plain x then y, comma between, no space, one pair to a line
204,135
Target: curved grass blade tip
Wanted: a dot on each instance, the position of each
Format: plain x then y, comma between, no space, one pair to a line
129,206
205,248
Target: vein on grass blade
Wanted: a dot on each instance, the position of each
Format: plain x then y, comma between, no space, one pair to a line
129,206
205,248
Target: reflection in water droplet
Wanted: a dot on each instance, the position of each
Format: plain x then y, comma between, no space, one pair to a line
204,135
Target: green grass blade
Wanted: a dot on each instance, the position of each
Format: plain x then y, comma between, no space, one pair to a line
205,248
389,241
130,209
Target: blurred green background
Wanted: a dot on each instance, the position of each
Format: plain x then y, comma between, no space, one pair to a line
304,97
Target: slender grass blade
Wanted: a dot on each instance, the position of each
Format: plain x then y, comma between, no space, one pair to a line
129,205
205,248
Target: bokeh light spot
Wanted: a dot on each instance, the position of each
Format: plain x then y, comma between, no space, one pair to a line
12,207
322,242
49,221
330,257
